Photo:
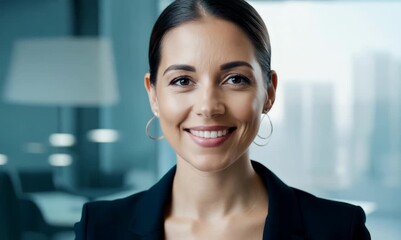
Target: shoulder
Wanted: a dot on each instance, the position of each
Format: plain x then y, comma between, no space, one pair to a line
100,218
140,214
323,217
305,214
116,208
316,205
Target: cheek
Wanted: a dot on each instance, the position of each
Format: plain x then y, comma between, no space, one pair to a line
246,108
173,110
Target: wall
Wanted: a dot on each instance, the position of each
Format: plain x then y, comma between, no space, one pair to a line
20,125
128,23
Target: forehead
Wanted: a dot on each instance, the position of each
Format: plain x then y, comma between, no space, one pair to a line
208,39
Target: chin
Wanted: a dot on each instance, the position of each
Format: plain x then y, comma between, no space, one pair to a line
209,164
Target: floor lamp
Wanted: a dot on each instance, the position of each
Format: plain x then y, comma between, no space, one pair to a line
63,73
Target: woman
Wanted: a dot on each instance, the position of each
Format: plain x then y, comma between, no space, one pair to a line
209,83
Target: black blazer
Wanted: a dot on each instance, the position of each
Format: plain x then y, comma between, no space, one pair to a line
293,214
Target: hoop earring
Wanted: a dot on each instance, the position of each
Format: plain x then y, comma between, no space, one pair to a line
266,139
148,132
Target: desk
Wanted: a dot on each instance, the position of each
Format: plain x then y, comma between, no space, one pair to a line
59,208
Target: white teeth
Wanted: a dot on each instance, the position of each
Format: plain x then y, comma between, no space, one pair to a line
209,134
213,134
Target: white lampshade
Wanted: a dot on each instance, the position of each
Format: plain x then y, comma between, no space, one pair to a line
62,72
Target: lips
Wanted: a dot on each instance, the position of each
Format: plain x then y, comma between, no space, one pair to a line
210,136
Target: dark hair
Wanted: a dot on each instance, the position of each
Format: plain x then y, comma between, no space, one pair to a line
238,12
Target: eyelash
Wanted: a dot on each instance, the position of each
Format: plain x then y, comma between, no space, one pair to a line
245,81
178,79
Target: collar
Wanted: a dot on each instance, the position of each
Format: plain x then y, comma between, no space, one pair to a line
148,215
283,221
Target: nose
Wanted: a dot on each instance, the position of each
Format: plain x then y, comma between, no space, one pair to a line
210,104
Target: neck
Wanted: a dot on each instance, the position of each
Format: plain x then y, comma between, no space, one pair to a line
208,195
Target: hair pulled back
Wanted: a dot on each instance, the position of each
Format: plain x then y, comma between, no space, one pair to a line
239,12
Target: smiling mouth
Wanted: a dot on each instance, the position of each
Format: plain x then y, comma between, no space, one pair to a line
211,134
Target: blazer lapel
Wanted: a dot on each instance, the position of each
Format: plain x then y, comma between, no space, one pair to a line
148,216
283,221
284,216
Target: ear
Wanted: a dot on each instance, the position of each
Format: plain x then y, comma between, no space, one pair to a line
151,89
271,92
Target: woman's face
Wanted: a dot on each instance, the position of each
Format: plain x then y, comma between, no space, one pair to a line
209,94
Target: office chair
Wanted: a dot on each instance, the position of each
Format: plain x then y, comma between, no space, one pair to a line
9,209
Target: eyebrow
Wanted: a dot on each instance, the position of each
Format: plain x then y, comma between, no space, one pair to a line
224,66
235,64
180,67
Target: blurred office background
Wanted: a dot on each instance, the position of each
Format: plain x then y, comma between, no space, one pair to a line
77,136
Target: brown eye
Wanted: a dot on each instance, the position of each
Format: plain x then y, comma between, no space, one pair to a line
237,80
181,81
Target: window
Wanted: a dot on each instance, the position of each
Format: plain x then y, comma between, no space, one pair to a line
337,117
